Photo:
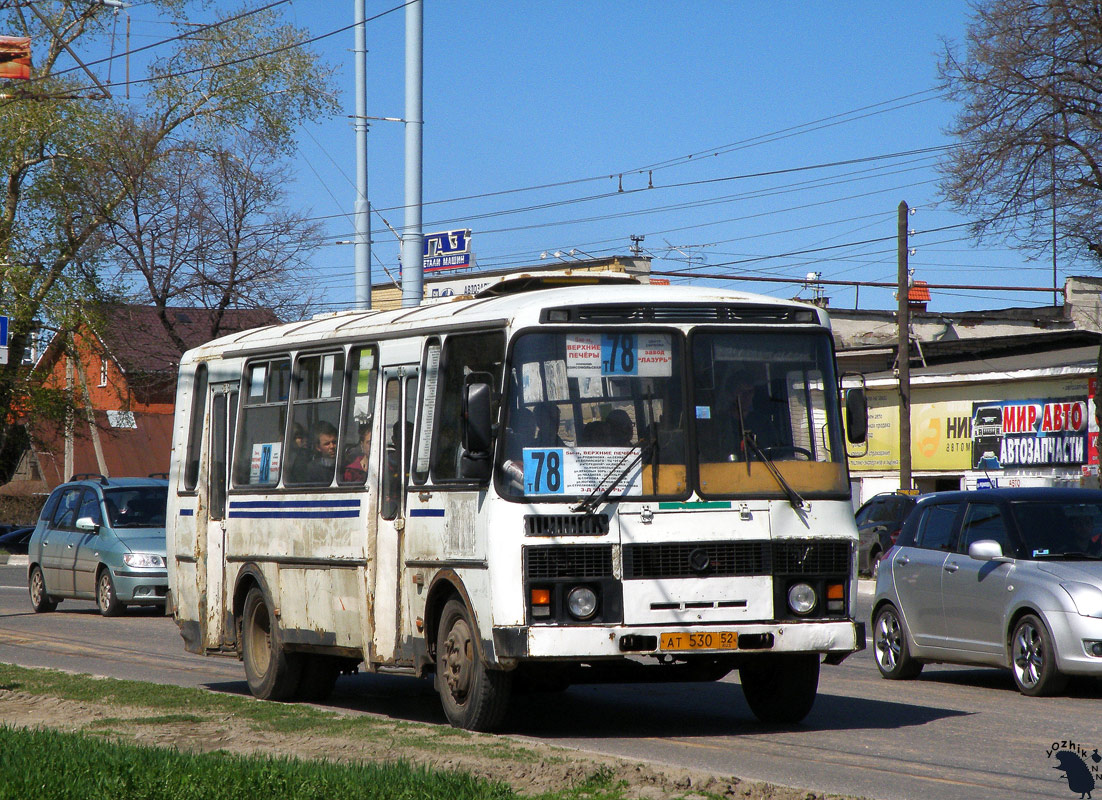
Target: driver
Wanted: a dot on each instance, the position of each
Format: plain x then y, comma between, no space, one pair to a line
745,414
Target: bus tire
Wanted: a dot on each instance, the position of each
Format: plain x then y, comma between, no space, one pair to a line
780,689
319,676
272,673
474,698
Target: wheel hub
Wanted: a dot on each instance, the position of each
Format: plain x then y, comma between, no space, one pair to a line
457,659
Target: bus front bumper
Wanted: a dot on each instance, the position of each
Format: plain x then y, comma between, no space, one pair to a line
835,638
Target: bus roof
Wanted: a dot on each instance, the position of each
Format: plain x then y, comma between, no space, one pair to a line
511,309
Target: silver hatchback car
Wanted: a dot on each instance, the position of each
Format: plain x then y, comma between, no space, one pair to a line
1002,577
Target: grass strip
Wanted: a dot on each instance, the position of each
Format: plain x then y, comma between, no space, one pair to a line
53,765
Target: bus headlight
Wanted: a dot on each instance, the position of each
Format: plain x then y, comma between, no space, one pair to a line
801,598
581,602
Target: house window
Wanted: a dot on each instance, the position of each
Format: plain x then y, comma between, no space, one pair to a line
103,370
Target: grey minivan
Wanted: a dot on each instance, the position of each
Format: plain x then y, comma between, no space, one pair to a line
100,539
1001,577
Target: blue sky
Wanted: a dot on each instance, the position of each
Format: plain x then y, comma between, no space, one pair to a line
521,94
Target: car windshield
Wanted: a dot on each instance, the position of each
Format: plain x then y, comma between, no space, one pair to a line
136,507
1060,530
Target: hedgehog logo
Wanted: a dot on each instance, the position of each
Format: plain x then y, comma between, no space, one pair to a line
1076,773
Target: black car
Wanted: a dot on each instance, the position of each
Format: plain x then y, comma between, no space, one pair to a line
878,524
15,540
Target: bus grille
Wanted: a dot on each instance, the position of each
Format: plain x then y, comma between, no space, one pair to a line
735,559
695,559
568,561
805,557
566,524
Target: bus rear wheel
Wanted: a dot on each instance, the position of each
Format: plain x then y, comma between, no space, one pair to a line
474,698
272,673
780,689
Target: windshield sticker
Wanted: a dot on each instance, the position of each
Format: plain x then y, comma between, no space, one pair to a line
1040,553
703,412
531,382
558,390
629,355
574,471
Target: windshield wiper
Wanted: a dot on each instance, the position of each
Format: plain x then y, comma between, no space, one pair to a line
1076,554
750,442
599,495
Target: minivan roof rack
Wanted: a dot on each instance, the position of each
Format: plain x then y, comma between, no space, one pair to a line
89,476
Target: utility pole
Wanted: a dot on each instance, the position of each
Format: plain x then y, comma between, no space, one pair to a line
903,360
362,215
413,261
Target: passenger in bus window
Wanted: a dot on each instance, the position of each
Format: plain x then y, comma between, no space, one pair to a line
324,459
619,428
355,471
547,426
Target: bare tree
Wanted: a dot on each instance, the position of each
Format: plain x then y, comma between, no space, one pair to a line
1030,130
212,228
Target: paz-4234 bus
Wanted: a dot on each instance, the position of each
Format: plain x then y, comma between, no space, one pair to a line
564,479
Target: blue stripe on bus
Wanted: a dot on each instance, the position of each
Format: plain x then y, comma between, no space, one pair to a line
275,514
294,509
187,512
294,504
426,512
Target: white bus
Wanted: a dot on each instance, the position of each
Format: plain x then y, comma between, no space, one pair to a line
546,484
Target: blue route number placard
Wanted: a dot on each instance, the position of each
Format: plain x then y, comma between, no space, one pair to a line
543,470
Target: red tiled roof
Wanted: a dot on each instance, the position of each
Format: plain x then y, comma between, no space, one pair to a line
137,339
918,292
127,452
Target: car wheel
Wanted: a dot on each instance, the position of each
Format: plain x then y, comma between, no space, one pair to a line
1033,659
106,598
889,646
874,563
41,602
474,698
780,689
271,672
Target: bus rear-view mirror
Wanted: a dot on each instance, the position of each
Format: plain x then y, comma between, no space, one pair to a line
857,415
477,431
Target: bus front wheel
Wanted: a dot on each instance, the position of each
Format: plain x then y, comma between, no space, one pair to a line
272,673
474,698
780,689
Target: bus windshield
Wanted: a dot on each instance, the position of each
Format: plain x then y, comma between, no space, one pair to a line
628,414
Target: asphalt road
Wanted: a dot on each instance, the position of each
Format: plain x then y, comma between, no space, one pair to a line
955,733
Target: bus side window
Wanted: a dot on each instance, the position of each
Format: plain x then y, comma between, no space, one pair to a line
316,412
195,432
263,423
462,355
392,450
363,376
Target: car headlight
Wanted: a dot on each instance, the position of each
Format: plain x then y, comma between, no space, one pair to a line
143,560
581,602
1086,597
801,598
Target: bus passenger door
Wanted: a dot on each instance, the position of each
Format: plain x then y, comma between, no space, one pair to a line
212,547
399,402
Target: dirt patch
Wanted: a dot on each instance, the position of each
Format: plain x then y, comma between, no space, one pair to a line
531,768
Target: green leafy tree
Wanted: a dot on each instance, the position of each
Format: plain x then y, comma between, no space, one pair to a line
62,141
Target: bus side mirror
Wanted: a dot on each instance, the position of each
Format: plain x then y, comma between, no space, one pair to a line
857,415
477,431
